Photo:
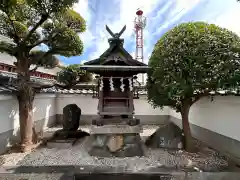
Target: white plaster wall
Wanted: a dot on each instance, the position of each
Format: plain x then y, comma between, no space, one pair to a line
9,112
147,114
89,105
222,115
44,108
47,105
142,107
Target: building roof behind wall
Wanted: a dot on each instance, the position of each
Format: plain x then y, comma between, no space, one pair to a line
9,60
83,88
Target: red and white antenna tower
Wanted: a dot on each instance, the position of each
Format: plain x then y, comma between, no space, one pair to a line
139,25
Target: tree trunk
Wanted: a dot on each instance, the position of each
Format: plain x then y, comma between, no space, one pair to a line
25,97
188,141
25,100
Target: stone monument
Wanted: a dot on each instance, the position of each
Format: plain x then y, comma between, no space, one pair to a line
116,132
71,117
69,134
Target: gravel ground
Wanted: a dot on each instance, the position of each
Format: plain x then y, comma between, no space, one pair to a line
42,176
78,155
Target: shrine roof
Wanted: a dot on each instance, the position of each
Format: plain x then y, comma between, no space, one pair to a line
99,68
116,54
114,49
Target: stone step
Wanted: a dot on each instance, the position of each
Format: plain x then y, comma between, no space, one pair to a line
115,120
116,113
68,143
116,129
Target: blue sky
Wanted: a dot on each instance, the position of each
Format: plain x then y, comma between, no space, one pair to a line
161,15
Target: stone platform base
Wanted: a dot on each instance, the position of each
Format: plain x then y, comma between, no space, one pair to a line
116,129
116,145
65,139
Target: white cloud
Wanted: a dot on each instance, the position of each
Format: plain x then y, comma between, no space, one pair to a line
87,38
62,64
133,54
162,10
83,61
180,8
229,19
82,8
127,15
185,4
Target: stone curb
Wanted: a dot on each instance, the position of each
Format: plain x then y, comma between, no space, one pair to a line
89,169
71,175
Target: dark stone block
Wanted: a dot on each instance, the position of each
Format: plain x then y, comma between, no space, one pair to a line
94,122
68,176
168,136
71,117
64,135
124,116
120,176
133,122
130,150
132,138
100,151
97,122
65,139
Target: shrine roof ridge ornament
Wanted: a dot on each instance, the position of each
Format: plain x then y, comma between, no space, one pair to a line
116,35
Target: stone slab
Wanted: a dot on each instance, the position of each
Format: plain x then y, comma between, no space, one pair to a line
61,143
116,129
65,139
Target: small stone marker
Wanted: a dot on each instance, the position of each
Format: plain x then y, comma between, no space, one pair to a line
115,143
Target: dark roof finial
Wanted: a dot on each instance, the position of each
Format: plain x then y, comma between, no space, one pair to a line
115,39
116,35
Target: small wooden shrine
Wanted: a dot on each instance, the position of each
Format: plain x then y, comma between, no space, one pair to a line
116,69
117,72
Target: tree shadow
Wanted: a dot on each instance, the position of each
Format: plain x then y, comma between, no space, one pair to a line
9,116
10,137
